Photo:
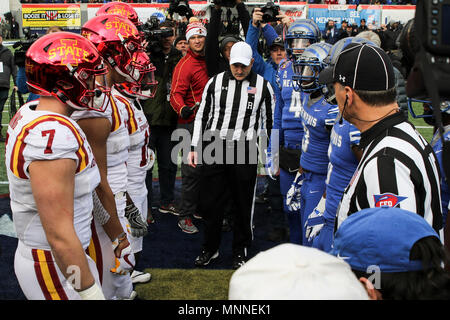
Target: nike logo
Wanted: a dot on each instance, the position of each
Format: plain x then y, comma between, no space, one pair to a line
292,171
342,258
311,191
317,110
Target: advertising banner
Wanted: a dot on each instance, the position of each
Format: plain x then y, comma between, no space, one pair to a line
39,17
350,13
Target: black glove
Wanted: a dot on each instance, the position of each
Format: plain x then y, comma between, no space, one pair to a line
186,111
137,224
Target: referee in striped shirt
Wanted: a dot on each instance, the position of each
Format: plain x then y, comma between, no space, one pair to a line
398,167
235,106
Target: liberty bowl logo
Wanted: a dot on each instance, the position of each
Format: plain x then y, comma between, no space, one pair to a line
387,199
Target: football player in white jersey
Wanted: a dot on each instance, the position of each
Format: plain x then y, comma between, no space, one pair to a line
139,155
118,42
52,172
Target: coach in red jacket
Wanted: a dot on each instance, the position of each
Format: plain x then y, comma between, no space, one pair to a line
188,81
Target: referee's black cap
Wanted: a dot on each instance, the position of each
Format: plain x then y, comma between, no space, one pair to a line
361,66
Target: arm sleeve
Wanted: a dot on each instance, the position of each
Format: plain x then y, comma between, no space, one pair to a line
259,65
268,106
269,34
180,86
244,16
202,115
212,50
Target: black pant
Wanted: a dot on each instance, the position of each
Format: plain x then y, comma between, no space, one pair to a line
220,184
190,183
4,94
160,142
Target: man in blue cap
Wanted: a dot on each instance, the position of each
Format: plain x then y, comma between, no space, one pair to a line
396,248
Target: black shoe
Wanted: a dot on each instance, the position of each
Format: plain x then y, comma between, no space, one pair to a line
205,258
226,225
238,261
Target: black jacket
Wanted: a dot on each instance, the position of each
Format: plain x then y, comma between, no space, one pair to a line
158,109
215,63
9,68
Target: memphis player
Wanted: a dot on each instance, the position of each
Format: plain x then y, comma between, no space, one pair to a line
318,117
287,117
344,155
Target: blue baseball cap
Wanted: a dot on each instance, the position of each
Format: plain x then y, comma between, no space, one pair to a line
381,237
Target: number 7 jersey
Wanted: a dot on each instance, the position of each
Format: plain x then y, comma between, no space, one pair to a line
42,135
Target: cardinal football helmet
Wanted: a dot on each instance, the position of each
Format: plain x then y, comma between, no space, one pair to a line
122,9
65,65
118,41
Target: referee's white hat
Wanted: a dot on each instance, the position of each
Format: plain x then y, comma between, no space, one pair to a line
293,272
241,52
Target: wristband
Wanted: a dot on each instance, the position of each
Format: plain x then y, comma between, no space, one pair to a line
92,293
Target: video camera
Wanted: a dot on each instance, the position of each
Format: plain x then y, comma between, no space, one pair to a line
425,42
154,35
270,12
225,3
22,46
180,7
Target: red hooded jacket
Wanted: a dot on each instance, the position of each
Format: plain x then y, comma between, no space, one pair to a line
188,81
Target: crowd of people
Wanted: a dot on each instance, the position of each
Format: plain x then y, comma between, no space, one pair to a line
357,186
377,2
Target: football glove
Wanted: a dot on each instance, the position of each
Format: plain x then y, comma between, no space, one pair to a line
137,224
124,260
293,195
315,221
272,166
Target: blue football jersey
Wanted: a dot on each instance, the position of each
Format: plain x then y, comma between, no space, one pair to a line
289,108
436,143
342,166
317,114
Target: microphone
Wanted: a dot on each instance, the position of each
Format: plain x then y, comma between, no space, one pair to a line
343,110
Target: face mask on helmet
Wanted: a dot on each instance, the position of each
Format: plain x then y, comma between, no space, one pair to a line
94,96
145,87
306,72
297,46
416,105
308,66
118,41
299,36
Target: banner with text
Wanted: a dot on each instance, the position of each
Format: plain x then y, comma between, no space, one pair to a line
39,17
352,14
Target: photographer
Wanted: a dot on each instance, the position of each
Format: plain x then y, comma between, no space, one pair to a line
218,53
162,118
331,33
7,69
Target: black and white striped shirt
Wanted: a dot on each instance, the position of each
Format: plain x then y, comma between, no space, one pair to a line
398,169
235,109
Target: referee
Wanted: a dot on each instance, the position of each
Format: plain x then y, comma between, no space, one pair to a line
235,106
398,167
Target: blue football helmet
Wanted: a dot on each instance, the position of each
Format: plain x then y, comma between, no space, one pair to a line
427,108
308,66
300,34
